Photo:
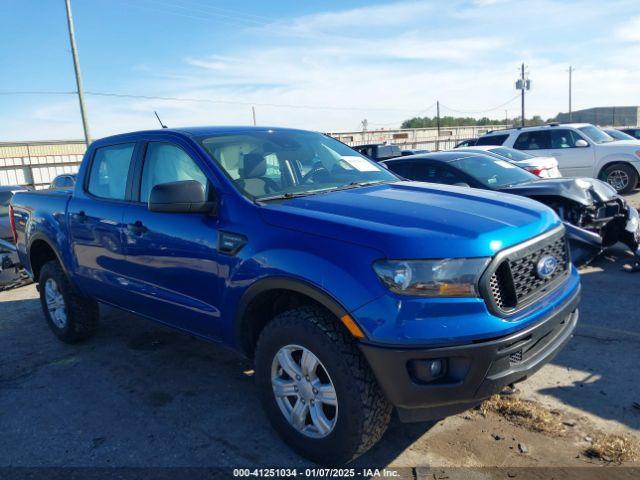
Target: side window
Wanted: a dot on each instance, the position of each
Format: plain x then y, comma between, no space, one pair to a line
434,173
492,140
564,138
109,171
535,140
404,169
165,163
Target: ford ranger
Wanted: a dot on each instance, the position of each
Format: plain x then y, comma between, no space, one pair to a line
353,291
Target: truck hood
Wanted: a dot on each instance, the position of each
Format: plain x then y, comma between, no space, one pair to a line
416,220
585,191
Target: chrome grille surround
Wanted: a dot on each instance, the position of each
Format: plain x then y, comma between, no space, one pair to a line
510,282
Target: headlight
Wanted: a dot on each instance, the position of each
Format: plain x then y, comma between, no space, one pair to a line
448,277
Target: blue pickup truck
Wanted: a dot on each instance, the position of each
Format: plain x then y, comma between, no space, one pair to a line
353,291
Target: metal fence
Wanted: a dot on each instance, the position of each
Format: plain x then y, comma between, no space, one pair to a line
36,164
433,139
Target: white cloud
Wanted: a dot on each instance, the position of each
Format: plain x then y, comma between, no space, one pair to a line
629,31
386,63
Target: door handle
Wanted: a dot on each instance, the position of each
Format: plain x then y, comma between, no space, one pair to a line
80,217
137,227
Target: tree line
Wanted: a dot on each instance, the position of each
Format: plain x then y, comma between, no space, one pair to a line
448,121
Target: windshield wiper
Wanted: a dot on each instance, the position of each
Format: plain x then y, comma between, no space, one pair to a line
286,196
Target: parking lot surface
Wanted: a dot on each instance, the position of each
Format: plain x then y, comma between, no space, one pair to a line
141,395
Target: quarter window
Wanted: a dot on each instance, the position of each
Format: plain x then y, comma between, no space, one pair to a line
166,163
109,171
535,140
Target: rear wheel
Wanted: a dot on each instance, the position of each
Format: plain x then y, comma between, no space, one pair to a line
317,389
70,316
621,176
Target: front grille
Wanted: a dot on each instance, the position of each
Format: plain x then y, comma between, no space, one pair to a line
513,280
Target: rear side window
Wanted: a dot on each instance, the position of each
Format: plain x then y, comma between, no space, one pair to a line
109,171
536,140
492,140
166,163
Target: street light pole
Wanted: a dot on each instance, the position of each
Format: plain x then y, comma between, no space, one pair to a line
570,110
76,66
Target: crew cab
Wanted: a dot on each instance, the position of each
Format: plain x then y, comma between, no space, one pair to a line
582,150
353,291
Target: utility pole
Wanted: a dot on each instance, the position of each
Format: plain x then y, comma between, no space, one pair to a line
438,116
76,66
506,118
570,109
253,110
523,84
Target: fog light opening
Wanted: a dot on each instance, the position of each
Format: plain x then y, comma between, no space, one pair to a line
428,370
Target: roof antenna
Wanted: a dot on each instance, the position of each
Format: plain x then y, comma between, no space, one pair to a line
159,121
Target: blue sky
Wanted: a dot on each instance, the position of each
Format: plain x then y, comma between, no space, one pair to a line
318,65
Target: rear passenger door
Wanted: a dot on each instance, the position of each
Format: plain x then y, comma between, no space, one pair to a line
559,143
173,267
95,215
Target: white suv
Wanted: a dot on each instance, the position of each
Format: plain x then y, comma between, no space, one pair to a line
582,150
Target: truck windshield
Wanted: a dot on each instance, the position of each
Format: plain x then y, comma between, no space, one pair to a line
274,164
493,173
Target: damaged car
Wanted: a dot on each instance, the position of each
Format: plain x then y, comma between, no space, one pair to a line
595,216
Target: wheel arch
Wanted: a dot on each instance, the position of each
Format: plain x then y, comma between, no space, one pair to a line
41,250
270,296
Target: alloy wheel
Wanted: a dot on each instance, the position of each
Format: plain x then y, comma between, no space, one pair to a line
55,303
304,391
618,179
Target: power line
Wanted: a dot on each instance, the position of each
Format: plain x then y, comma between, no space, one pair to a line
422,112
202,100
476,112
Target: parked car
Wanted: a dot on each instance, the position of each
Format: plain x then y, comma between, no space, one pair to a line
634,132
9,268
414,151
545,167
582,150
6,194
353,291
595,216
617,134
66,180
470,142
379,151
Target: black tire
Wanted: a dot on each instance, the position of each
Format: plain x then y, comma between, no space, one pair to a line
81,313
363,411
628,170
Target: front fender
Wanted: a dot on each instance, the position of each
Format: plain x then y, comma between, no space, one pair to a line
338,275
617,158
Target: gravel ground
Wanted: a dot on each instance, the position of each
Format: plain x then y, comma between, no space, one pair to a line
140,395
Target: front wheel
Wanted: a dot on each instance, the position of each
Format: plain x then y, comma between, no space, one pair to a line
620,176
317,389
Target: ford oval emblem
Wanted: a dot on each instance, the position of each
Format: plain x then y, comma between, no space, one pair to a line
546,266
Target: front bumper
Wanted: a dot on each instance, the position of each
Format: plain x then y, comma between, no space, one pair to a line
474,371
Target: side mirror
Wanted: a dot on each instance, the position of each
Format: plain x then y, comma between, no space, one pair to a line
582,143
186,196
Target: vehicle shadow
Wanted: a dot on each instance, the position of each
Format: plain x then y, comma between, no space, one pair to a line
601,361
138,394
